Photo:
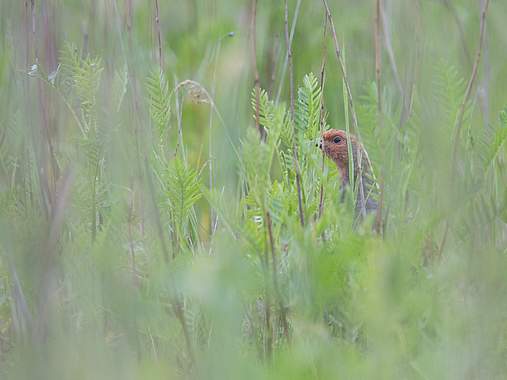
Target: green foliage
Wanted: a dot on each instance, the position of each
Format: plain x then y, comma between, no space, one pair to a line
159,100
497,145
309,101
83,77
449,92
132,248
181,186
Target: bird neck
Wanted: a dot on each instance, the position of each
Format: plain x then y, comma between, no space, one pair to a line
343,168
344,172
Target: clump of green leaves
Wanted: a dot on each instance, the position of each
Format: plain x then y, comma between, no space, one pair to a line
123,255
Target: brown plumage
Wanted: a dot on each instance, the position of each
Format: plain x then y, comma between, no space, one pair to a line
334,143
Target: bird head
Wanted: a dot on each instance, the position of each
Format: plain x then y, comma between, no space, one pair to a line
334,143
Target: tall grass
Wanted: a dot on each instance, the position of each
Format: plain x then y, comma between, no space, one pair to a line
148,230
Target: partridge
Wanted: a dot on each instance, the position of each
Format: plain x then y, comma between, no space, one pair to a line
335,144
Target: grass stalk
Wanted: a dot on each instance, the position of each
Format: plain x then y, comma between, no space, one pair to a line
292,116
322,112
274,271
159,36
461,113
257,84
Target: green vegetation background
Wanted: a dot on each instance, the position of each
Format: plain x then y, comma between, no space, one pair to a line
146,232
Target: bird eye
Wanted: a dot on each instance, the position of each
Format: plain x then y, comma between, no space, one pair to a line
337,139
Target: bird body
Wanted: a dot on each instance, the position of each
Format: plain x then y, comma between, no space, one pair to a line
337,145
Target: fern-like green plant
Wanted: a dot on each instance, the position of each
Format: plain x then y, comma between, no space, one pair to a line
181,192
159,100
80,80
308,107
83,76
449,88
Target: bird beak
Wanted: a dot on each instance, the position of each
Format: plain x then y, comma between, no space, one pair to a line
318,143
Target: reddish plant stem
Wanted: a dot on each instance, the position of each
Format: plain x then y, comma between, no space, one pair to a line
159,36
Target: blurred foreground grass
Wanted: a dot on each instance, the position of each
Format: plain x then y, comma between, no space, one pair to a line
146,232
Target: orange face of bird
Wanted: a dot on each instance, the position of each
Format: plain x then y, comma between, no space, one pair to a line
334,144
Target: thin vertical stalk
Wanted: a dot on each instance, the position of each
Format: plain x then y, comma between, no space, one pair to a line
343,70
461,112
213,214
289,59
378,78
473,77
32,58
352,176
390,51
95,178
461,30
274,272
129,22
483,89
178,311
179,120
362,200
411,72
273,54
292,116
253,37
378,55
130,221
286,61
379,221
158,222
322,113
268,336
159,36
